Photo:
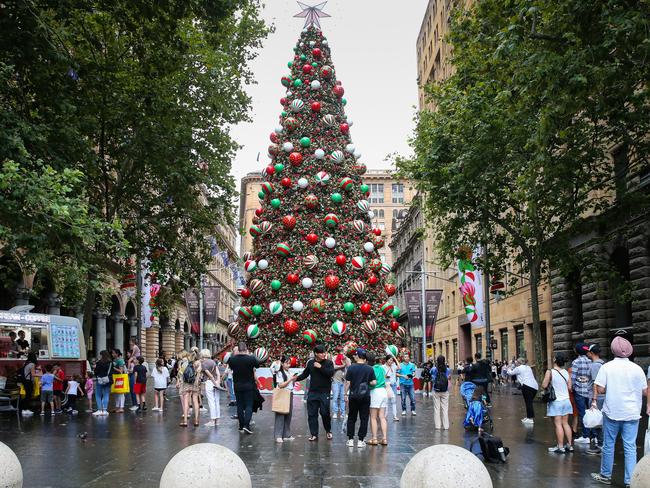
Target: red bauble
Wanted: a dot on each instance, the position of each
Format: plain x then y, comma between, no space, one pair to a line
245,292
341,260
295,158
284,101
338,91
307,69
259,211
273,150
274,137
390,289
311,238
365,308
332,282
286,182
290,326
293,278
270,170
315,107
289,222
372,279
345,128
394,325
376,231
294,361
317,53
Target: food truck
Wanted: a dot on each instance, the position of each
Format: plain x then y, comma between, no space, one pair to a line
53,338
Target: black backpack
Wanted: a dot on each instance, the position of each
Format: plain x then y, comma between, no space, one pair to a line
441,383
492,448
189,375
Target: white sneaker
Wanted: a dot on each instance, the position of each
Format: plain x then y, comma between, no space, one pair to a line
350,443
155,409
75,412
413,413
581,440
105,413
134,408
97,413
528,421
335,416
279,440
395,419
361,444
27,413
403,413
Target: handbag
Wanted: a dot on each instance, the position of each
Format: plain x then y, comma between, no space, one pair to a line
548,395
593,418
281,401
105,380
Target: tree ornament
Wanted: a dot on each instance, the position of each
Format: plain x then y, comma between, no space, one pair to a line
287,147
289,222
305,141
269,170
294,362
387,308
307,283
244,292
267,188
338,91
319,154
279,167
256,285
259,211
234,330
297,105
359,287
330,243
332,282
317,305
310,336
390,289
344,101
338,156
396,312
293,278
311,201
263,264
275,308
303,183
336,198
261,354
275,285
358,262
245,312
275,203
394,325
364,188
341,260
369,327
250,265
368,247
286,80
345,128
329,120
290,327
310,261
307,68
350,148
331,220
316,52
359,226
357,154
392,350
290,124
325,71
297,83
365,308
338,327
385,269
372,279
315,85
255,230
322,178
347,184
400,332
315,107
297,306
283,249
363,205
253,331
295,158
375,264
349,307
311,238
257,310
376,231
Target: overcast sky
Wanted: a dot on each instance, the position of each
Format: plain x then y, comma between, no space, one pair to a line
374,54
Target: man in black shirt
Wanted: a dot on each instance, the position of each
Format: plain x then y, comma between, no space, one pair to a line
321,371
243,367
481,374
359,378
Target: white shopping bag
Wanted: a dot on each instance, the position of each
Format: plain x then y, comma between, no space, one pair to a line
593,418
646,444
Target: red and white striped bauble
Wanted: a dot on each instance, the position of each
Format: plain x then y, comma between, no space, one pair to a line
310,261
359,287
369,327
358,262
266,226
261,354
359,226
256,285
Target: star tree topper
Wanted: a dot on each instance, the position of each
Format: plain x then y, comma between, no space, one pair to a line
311,14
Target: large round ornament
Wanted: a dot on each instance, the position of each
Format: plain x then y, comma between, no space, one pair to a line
369,327
263,264
330,243
368,247
250,265
344,128
257,310
295,158
303,183
247,255
338,156
322,177
338,91
310,336
253,331
290,327
286,80
307,68
311,201
312,239
358,262
332,282
316,52
341,260
283,249
256,285
329,120
289,222
385,269
234,329
275,285
394,325
307,283
372,279
275,308
275,203
349,307
387,308
315,107
305,141
347,184
364,188
255,230
290,124
331,220
396,312
400,332
390,289
359,287
363,206
315,85
319,154
359,226
350,148
287,147
293,278
365,308
297,306
310,261
325,71
392,350
297,105
244,292
336,198
261,354
375,264
317,305
338,327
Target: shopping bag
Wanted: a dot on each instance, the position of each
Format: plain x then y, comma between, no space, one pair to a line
593,418
37,387
120,383
646,444
281,402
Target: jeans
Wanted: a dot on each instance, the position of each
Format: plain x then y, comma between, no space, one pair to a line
101,396
628,431
134,400
245,407
338,398
318,402
529,395
598,431
392,402
582,404
410,391
231,389
282,426
362,408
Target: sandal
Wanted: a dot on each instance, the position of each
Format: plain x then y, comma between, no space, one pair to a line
196,423
372,442
183,424
384,442
329,436
313,438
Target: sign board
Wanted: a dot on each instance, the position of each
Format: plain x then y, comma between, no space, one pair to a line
192,303
414,310
212,295
64,341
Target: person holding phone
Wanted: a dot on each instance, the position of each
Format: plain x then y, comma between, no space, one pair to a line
405,373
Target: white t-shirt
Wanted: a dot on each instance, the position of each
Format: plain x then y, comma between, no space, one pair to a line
389,373
280,379
525,376
624,383
73,388
560,379
160,377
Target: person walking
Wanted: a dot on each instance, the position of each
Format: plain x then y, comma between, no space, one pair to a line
405,373
529,387
341,362
160,375
282,426
481,374
243,367
212,382
359,378
132,361
596,363
320,370
582,390
560,409
190,387
425,376
26,377
390,373
441,376
103,373
378,402
623,384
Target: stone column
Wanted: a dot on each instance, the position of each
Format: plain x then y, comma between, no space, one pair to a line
151,351
22,295
54,303
180,345
187,342
169,340
118,332
100,331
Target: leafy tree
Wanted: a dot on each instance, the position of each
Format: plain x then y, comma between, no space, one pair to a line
518,151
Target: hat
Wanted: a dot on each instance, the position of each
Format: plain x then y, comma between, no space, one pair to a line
621,347
582,348
360,353
595,348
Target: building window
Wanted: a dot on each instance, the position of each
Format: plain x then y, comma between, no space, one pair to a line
504,344
574,284
377,193
455,349
398,193
381,225
380,213
520,348
478,338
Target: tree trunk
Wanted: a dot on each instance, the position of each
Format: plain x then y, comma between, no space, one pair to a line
534,267
89,307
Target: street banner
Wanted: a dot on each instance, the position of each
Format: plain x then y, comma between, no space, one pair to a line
192,303
471,291
212,295
145,287
433,299
414,310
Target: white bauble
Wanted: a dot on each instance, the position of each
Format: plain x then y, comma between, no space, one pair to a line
371,214
307,283
312,43
319,154
303,183
262,264
279,129
287,147
324,42
298,306
350,122
350,148
368,247
357,154
330,242
289,92
315,85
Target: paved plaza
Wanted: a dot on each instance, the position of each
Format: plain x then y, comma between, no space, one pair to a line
131,450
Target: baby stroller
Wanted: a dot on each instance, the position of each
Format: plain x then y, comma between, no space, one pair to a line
478,414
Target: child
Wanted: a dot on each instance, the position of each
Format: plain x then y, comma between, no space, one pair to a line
140,386
160,375
59,378
73,390
282,430
474,417
89,387
47,390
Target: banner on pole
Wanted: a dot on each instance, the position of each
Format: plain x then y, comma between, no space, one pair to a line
212,295
471,291
192,303
433,299
145,286
414,310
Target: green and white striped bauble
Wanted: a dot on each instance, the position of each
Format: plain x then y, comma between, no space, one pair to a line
385,269
297,105
392,350
338,156
275,308
338,327
253,331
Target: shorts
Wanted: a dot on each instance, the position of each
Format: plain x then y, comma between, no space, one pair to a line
140,388
58,393
160,389
47,396
378,398
559,408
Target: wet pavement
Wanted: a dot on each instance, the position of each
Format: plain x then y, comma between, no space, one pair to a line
131,450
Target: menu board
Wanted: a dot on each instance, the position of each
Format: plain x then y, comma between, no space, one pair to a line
64,341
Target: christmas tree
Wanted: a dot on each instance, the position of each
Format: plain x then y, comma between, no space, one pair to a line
315,274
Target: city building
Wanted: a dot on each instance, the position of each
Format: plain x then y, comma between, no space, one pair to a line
389,200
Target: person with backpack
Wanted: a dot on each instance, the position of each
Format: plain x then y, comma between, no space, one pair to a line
529,387
359,378
426,378
190,387
25,375
559,406
282,380
441,375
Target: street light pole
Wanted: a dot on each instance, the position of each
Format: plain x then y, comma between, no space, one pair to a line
201,313
486,301
423,312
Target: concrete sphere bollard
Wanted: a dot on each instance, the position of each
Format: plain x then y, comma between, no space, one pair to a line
445,466
11,472
206,466
641,474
